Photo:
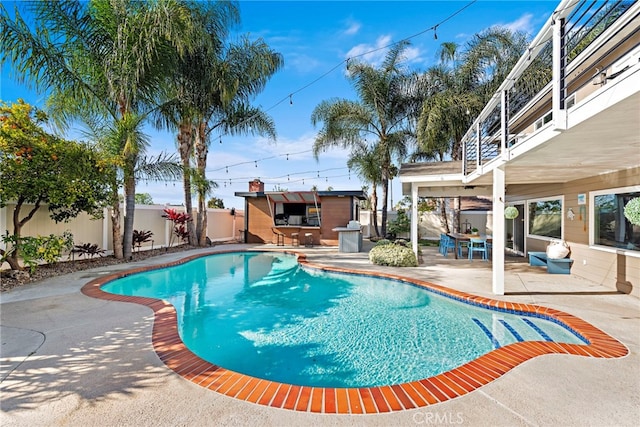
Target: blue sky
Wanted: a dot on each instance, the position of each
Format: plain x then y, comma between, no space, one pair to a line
314,37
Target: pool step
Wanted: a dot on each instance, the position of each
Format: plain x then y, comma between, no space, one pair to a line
487,332
512,330
537,329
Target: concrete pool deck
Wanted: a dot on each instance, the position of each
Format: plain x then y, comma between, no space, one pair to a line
72,360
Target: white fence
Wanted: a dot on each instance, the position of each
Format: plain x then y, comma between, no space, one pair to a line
430,223
221,225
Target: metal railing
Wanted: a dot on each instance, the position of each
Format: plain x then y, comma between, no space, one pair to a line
526,95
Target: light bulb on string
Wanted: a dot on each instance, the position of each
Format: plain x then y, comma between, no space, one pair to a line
318,174
287,156
220,140
256,162
435,32
288,179
290,99
227,168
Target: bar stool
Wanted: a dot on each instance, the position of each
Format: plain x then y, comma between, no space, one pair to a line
279,236
308,240
295,241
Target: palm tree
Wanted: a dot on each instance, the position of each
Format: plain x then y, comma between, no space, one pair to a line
103,59
383,112
189,89
462,83
366,165
224,106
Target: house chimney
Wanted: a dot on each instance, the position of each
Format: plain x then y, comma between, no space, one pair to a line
256,186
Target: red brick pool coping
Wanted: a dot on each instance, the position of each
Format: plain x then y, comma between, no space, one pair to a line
366,400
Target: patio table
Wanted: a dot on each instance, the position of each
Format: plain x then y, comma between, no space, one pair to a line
461,237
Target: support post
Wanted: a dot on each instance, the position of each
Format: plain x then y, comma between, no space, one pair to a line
504,123
498,231
414,218
558,70
106,219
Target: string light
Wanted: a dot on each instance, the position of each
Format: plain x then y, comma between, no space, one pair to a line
347,60
264,158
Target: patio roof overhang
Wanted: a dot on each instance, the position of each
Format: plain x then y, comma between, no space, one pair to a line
292,196
302,196
595,144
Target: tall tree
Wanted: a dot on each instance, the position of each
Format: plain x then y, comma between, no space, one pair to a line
212,22
462,84
226,92
383,113
365,163
38,169
101,60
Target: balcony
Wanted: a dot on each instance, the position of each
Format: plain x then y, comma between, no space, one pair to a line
565,110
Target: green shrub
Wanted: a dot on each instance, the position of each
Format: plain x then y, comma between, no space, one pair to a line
383,242
393,255
34,250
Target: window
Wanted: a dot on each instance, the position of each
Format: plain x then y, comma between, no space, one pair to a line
610,227
545,218
543,121
297,214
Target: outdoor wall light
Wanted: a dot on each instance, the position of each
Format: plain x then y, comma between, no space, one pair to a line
570,214
600,77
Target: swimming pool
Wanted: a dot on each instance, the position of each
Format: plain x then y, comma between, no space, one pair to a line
321,329
297,323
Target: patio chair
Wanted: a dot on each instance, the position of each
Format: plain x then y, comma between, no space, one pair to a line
462,245
446,243
478,245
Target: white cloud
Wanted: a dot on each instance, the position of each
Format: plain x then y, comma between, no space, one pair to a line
353,28
524,23
378,51
302,63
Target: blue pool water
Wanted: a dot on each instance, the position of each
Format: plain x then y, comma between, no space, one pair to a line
263,315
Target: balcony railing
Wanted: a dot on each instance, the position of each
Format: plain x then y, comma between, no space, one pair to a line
565,58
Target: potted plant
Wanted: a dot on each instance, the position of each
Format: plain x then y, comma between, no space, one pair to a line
511,212
474,231
632,211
